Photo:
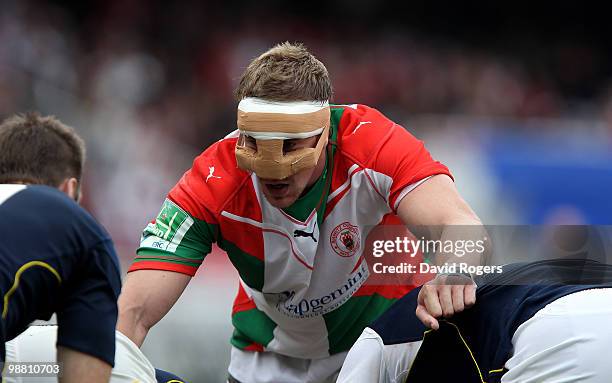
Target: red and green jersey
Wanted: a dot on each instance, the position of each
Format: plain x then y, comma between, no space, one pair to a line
302,286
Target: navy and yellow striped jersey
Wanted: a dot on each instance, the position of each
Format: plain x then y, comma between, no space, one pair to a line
55,258
166,377
475,344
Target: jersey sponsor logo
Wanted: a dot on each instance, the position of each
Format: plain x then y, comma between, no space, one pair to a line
158,244
345,239
167,230
288,304
302,233
211,170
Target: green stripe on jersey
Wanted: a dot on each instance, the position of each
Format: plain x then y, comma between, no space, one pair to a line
252,326
164,256
336,115
250,268
345,324
240,340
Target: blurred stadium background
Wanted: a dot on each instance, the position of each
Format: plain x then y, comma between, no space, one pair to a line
515,99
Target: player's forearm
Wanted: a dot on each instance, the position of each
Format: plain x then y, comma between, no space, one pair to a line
130,321
134,318
436,210
470,243
146,298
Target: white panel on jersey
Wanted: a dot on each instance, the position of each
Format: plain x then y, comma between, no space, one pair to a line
288,258
343,235
381,181
310,271
8,190
346,183
305,338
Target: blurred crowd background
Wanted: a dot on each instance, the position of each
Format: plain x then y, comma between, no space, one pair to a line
516,100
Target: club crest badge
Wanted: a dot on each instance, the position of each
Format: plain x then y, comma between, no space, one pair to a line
345,239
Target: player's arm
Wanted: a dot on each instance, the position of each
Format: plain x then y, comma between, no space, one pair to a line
88,316
146,298
436,203
78,367
422,193
171,249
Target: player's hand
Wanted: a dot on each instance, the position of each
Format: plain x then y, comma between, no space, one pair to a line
445,295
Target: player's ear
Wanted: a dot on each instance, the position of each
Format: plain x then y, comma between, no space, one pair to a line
70,186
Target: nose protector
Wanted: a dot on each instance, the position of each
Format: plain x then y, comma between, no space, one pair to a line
270,123
269,161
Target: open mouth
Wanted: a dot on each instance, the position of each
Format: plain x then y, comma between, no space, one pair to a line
277,189
277,186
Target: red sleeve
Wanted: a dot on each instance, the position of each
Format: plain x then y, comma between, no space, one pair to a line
183,232
405,159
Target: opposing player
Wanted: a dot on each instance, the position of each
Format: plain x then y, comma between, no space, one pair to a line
539,322
291,196
54,257
70,267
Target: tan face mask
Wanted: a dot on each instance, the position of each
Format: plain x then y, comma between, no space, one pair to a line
270,123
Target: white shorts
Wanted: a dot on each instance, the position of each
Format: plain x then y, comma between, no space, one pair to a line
269,367
569,340
37,344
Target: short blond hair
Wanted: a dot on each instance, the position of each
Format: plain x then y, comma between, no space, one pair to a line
287,72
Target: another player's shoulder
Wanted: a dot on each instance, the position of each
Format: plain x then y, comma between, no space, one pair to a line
43,210
361,130
22,198
212,180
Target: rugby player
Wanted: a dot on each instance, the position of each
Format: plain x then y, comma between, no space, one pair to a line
54,257
290,197
537,322
77,278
